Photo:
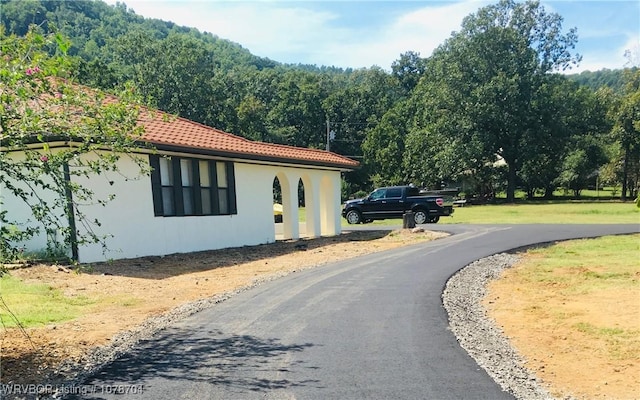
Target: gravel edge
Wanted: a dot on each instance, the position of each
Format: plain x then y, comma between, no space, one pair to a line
479,335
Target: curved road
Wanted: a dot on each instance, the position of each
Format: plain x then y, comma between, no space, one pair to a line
366,328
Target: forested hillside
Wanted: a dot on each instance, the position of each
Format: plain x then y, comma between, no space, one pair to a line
613,79
427,121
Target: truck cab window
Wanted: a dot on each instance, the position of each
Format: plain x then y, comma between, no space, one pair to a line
378,194
394,193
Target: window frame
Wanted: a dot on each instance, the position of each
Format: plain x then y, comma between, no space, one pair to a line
195,188
393,193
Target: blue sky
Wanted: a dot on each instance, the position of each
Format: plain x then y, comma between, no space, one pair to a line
358,33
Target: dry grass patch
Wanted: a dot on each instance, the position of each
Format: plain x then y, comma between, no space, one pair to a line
573,311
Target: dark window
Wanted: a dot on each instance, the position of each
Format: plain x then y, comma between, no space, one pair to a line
204,169
185,186
223,188
394,192
186,179
378,194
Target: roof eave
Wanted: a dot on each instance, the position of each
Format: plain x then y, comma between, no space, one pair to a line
254,157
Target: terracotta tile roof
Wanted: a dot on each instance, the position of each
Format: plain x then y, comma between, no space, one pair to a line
164,130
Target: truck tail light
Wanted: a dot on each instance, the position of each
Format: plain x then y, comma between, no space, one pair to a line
439,202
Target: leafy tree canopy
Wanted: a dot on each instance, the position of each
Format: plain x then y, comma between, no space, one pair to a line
41,106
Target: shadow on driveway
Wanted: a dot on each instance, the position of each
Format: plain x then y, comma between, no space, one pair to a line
240,362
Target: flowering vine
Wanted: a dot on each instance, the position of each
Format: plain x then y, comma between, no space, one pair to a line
39,102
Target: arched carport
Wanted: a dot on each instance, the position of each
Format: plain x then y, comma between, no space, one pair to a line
321,199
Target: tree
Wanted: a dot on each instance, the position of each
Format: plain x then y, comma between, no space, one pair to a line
408,69
41,104
489,79
296,117
613,79
626,132
384,146
581,164
174,74
572,115
252,115
353,108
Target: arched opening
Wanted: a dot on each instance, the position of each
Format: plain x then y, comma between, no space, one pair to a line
302,210
278,210
285,197
306,205
277,201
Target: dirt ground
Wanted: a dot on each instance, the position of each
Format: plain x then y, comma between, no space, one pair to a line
129,291
582,346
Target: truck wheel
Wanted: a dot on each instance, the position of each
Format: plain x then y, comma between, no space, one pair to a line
353,217
434,220
420,216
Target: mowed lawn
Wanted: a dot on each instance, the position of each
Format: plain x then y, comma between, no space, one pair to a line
539,213
552,213
36,304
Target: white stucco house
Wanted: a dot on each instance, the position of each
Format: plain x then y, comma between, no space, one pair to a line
208,189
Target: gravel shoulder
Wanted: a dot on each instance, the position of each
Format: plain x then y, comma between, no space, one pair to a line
478,334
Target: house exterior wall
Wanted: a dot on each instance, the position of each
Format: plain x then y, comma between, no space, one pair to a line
133,230
18,211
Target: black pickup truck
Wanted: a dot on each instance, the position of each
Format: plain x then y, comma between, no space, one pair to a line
394,202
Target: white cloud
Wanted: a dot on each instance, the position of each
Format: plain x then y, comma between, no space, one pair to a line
420,30
290,32
610,57
425,29
266,29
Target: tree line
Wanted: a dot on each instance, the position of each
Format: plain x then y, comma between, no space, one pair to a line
488,109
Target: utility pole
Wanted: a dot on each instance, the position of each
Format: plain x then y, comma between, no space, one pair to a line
328,136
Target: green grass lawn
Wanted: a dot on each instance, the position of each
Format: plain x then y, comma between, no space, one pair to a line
36,304
575,301
540,213
585,259
550,213
606,193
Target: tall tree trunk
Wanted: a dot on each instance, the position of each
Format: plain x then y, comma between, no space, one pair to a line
625,172
511,182
531,193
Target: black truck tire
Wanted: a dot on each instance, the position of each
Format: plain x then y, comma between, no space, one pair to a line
420,216
353,217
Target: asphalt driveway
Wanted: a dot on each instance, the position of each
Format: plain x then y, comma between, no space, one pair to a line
372,327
